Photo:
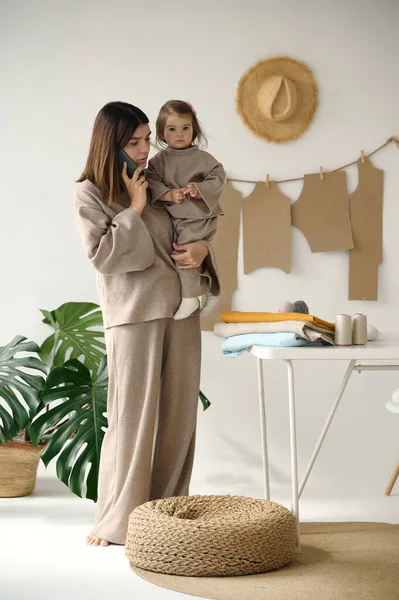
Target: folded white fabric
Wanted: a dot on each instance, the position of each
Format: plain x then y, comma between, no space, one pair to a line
308,331
237,344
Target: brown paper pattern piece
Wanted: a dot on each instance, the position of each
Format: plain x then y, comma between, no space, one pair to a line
322,212
366,216
225,244
267,229
363,276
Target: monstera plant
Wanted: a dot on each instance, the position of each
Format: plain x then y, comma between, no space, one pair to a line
73,358
21,378
76,425
67,412
73,428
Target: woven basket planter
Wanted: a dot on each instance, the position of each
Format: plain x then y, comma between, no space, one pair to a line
206,536
18,468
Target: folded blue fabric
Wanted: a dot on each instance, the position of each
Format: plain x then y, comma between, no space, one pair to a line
237,344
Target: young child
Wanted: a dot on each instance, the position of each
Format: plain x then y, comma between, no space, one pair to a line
187,182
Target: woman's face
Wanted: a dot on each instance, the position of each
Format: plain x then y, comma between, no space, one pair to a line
138,147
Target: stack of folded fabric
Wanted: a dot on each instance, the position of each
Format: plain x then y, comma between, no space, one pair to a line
281,329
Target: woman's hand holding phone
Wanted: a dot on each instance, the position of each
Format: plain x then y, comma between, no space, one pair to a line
137,189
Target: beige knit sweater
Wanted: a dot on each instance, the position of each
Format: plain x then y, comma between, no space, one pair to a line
172,168
136,277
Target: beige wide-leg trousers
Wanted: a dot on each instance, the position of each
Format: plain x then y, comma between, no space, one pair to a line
148,448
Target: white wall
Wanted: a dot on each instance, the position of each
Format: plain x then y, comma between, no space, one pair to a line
60,62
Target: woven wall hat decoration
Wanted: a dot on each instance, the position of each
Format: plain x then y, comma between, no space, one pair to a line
277,98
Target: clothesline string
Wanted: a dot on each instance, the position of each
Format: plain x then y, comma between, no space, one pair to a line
394,139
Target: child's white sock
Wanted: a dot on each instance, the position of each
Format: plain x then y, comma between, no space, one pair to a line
210,303
186,308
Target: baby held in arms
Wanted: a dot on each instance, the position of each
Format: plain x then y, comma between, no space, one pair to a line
188,183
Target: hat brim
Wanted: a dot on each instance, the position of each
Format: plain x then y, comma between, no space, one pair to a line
307,99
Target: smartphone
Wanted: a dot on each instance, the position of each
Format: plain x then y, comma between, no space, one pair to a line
131,165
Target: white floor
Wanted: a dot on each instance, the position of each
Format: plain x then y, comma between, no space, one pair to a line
43,555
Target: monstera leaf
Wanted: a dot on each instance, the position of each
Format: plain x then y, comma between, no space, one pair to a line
19,389
73,335
77,424
205,402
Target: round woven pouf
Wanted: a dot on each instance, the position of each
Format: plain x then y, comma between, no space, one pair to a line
205,536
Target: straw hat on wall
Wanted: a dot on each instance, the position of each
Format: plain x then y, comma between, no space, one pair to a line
277,98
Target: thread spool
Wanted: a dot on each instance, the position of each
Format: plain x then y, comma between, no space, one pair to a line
359,329
343,330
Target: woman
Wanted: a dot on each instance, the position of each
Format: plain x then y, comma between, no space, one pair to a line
153,360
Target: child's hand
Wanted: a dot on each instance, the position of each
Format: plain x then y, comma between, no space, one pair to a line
175,196
192,190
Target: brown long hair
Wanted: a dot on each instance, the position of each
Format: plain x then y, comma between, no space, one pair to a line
114,126
178,107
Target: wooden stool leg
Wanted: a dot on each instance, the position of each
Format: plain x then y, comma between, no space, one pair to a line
392,481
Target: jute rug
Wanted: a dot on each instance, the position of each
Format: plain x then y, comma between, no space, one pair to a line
338,561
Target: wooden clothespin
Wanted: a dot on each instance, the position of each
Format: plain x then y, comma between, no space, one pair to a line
267,181
362,156
321,173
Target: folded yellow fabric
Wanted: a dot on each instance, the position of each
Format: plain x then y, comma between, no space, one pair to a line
235,316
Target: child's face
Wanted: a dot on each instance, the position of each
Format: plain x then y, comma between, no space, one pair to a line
178,131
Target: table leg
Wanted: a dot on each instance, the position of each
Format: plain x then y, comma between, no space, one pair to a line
262,407
330,417
392,481
294,451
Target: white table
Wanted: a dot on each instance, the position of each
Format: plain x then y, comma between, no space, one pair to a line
373,351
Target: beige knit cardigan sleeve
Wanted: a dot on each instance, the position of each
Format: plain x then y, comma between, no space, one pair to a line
114,243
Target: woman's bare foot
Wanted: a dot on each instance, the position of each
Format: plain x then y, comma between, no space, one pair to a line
93,540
